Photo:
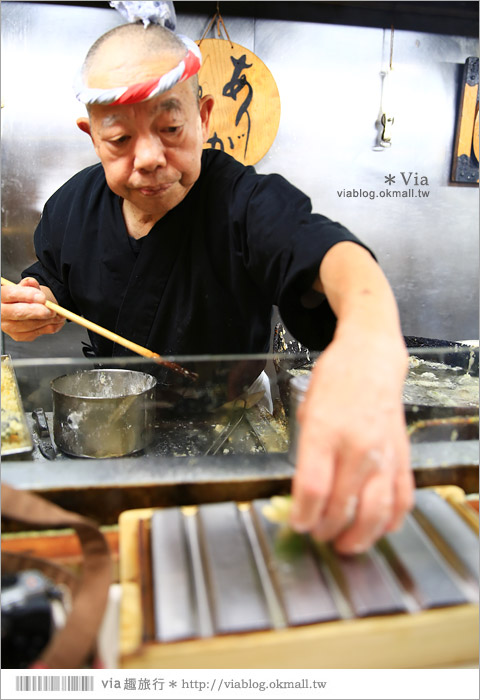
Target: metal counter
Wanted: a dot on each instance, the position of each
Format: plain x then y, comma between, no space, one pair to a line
180,468
102,489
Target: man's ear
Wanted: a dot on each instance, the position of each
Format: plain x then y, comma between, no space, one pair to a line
206,106
83,124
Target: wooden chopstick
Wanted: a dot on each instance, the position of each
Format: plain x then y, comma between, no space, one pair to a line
114,337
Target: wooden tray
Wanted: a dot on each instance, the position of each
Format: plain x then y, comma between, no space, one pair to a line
431,638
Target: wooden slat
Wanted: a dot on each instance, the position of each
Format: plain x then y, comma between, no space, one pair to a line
300,584
461,540
420,568
238,603
370,590
146,584
174,604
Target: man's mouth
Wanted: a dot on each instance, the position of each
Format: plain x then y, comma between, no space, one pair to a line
152,191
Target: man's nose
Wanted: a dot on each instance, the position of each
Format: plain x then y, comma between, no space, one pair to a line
149,153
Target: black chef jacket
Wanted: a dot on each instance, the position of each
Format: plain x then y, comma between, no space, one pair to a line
205,277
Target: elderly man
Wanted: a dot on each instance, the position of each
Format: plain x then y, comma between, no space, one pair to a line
186,251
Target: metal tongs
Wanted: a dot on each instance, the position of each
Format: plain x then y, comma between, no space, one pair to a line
238,408
45,443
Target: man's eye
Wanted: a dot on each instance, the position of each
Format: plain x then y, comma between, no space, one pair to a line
119,141
171,129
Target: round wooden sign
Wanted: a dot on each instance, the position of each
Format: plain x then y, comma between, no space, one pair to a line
246,113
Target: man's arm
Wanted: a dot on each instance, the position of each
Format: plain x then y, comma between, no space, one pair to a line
353,480
24,314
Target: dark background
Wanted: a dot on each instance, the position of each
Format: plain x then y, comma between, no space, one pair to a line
457,18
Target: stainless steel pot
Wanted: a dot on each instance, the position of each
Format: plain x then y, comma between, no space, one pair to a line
103,413
298,389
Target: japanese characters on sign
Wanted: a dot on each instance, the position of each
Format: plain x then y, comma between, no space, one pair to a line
246,114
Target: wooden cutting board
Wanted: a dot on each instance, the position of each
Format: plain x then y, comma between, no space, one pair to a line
246,114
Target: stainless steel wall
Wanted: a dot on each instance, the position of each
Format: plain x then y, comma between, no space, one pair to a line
330,84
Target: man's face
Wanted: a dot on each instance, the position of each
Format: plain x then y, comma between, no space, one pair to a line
151,151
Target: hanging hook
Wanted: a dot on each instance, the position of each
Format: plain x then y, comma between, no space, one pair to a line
217,17
387,120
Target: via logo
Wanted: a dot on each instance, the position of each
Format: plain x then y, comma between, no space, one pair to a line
417,180
409,178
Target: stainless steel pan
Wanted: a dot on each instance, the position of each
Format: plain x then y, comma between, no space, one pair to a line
103,413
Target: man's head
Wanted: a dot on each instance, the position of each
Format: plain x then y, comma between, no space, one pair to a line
150,150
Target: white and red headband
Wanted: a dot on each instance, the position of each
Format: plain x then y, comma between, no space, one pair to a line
139,92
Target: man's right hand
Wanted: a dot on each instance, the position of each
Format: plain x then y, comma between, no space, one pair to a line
24,314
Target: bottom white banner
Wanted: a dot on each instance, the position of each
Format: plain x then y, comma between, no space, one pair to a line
173,684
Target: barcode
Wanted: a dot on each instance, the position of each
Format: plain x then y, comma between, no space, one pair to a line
52,683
